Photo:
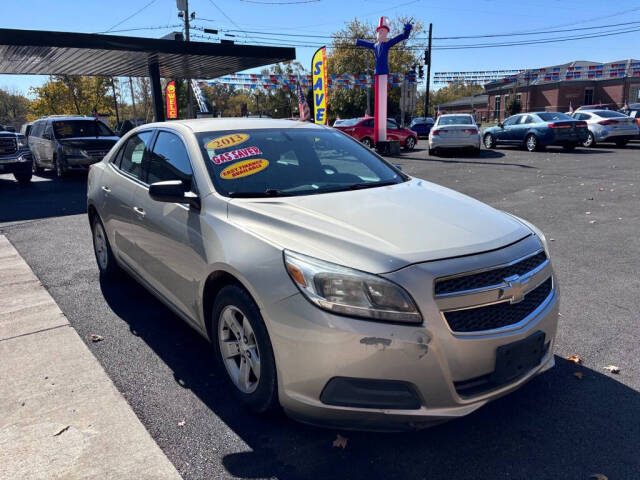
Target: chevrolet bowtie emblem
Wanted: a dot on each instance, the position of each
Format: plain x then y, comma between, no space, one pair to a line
515,289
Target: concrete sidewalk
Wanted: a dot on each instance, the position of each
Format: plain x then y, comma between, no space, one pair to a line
60,414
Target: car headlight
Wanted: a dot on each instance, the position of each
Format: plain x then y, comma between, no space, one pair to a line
350,292
22,142
73,151
538,233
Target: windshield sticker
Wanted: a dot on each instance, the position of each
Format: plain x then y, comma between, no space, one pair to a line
227,141
244,168
235,155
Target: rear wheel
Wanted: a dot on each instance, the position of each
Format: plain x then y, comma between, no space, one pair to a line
243,349
409,143
531,142
489,141
366,141
104,256
23,178
590,141
621,142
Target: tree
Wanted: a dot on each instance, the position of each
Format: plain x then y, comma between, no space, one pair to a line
14,108
513,107
345,57
449,93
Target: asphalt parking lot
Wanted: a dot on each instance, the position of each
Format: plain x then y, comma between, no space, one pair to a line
558,426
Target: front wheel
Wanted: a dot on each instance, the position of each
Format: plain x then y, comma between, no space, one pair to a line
242,346
531,143
366,141
590,141
23,178
59,168
409,143
489,141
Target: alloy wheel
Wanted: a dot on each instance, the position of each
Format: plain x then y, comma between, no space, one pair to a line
589,141
100,245
410,143
366,142
488,141
239,349
532,143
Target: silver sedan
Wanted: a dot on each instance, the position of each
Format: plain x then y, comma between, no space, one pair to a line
329,282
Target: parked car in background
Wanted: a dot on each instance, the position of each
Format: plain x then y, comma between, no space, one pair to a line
25,129
607,126
422,126
634,112
362,130
328,282
537,130
454,131
15,156
69,143
339,121
599,106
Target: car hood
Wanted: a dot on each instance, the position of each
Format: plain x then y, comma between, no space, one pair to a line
379,229
90,142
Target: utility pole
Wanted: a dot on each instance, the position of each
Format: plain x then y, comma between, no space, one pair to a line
183,6
427,59
133,103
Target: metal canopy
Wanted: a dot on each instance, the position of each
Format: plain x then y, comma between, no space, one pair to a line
65,53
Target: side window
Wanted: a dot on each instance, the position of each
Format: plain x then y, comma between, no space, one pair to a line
392,124
48,131
36,130
133,153
169,160
511,120
368,123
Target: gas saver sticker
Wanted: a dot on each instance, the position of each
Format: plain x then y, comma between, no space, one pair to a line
244,168
235,155
227,141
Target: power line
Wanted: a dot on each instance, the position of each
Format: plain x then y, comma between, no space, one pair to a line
226,16
142,28
131,16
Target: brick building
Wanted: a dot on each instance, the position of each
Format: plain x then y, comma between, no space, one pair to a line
476,105
560,87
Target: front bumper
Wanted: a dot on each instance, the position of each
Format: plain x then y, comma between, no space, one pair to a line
80,162
312,347
18,163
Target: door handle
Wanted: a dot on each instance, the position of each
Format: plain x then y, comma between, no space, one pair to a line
139,211
106,189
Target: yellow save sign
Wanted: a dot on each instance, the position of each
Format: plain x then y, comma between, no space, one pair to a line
319,82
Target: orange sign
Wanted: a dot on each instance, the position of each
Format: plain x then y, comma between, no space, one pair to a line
244,168
227,141
172,101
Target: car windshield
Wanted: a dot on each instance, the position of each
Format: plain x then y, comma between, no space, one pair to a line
554,116
609,114
81,128
287,162
455,120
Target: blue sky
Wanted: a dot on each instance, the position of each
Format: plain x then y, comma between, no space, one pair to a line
455,17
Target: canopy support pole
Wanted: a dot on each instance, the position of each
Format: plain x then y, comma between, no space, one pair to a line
156,92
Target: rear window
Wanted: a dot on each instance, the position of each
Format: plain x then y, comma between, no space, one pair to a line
609,114
455,120
297,161
554,116
81,128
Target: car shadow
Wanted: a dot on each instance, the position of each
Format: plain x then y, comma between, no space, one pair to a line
556,426
45,196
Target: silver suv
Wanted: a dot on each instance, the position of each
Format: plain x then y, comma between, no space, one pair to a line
328,281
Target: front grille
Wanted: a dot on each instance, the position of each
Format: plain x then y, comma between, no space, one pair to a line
8,145
498,315
489,277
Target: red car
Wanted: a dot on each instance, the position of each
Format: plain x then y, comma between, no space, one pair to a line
362,130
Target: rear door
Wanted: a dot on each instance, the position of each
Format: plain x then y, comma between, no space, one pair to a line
172,253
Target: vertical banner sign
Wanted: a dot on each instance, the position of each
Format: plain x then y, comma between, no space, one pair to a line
172,101
319,82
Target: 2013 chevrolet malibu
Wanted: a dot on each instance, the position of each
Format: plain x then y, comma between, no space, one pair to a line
328,281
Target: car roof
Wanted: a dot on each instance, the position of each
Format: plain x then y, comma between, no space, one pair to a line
233,123
455,115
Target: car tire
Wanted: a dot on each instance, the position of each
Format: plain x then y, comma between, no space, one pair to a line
569,148
366,141
23,178
531,143
488,141
410,143
107,265
234,309
434,152
590,141
621,143
35,169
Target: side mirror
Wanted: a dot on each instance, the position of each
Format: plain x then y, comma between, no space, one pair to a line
46,136
500,125
398,166
173,191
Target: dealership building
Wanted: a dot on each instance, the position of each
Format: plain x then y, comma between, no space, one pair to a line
557,88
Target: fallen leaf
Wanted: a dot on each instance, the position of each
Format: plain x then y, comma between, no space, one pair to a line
340,441
578,375
62,430
612,369
95,338
182,423
575,359
598,476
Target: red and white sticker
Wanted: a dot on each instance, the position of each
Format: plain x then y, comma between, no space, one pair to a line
235,155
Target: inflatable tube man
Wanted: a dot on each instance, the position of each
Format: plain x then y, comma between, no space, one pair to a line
381,50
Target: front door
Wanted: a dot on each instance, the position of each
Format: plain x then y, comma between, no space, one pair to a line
505,133
172,252
47,145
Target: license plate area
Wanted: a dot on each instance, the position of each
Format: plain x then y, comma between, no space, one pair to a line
515,359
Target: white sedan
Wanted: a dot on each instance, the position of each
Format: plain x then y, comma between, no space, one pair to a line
607,126
454,131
